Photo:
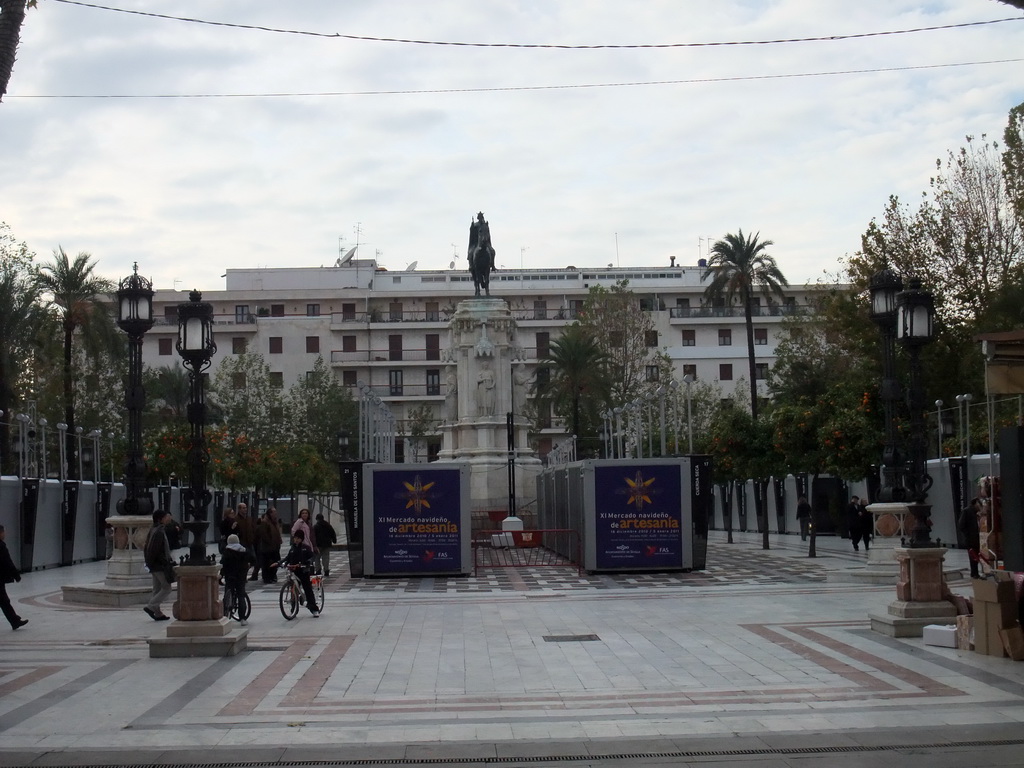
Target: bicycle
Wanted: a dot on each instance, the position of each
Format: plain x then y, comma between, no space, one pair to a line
235,608
293,595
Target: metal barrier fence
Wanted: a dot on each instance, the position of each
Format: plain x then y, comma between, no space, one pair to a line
546,547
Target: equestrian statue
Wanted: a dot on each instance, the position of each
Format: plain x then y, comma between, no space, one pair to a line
481,255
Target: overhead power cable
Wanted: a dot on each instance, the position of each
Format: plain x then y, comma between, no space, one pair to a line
410,41
511,88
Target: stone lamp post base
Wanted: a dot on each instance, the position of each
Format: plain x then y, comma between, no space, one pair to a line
919,602
200,628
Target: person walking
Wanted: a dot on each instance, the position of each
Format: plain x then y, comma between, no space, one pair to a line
228,525
268,545
967,524
160,565
9,573
803,516
246,531
302,524
867,524
324,536
853,521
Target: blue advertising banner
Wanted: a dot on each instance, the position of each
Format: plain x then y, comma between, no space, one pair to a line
417,521
638,522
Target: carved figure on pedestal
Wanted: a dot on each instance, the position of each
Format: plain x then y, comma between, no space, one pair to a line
485,391
481,254
523,380
451,397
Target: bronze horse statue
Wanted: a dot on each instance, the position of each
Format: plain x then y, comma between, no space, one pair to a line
481,255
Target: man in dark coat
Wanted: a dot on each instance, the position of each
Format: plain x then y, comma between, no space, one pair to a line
853,521
8,572
325,537
967,524
160,565
268,545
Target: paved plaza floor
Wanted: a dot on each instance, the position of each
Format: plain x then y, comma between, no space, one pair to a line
760,660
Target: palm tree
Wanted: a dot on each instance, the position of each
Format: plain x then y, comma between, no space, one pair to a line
739,268
19,319
578,368
77,298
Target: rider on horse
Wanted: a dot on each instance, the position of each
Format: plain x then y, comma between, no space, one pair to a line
480,245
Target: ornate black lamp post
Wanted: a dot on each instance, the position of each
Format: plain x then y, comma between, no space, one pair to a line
914,329
906,316
884,288
135,317
196,347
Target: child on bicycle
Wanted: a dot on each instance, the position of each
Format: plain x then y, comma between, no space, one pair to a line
235,564
299,560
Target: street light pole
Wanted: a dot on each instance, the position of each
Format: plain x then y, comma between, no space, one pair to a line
916,309
885,286
196,346
938,426
135,317
688,381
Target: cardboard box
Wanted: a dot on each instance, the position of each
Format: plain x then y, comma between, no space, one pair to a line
1013,642
993,591
943,635
989,618
965,633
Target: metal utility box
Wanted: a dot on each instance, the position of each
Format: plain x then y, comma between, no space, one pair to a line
416,519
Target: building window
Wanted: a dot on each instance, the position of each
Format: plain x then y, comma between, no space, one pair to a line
241,313
725,372
651,338
238,345
689,338
682,303
348,311
277,310
276,379
348,343
312,310
543,377
615,338
166,346
348,379
238,381
653,372
725,337
690,370
395,346
760,371
433,312
576,308
313,344
540,310
395,312
760,335
433,346
395,382
433,381
276,345
543,344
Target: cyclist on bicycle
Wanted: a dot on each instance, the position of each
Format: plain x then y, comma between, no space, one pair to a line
299,560
235,563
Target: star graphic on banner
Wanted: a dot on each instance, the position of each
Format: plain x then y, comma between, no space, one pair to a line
416,495
639,490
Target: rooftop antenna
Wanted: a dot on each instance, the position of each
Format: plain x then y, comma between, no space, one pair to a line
522,250
616,249
411,267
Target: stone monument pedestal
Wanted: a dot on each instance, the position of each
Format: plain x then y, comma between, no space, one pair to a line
484,403
919,602
128,581
200,628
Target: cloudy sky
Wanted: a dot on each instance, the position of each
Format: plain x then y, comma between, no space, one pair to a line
196,147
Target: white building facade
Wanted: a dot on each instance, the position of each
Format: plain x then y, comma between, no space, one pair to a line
389,330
